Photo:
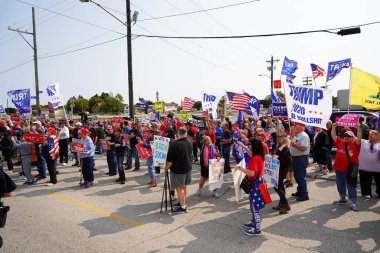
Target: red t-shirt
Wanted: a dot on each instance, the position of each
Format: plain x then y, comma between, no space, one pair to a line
212,136
256,164
341,161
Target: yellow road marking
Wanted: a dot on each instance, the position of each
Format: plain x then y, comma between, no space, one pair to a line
92,208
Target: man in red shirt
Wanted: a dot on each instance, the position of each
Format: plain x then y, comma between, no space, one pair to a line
350,145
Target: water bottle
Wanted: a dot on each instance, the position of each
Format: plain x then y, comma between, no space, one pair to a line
71,156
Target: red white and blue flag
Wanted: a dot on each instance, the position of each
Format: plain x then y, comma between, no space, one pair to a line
316,70
238,101
187,104
53,147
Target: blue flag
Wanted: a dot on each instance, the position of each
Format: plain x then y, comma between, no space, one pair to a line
143,104
21,99
275,98
157,116
335,67
240,118
290,78
2,111
289,67
253,107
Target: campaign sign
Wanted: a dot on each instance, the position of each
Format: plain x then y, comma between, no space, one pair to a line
145,120
104,144
34,138
311,106
271,170
15,118
348,120
279,110
160,150
21,99
144,153
216,171
199,122
235,127
159,106
77,146
118,120
184,114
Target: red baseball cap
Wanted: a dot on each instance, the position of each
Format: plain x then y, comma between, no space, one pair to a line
51,130
84,131
299,124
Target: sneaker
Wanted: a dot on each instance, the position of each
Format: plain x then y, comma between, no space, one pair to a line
215,194
296,194
64,164
88,184
32,182
367,196
49,184
354,207
303,198
180,210
248,225
136,169
199,192
26,182
340,202
252,232
289,184
40,178
122,182
112,174
326,171
177,204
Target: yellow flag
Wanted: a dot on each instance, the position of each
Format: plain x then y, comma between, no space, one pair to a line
365,89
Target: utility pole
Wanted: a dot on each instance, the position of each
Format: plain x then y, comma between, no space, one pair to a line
34,47
129,45
271,68
306,80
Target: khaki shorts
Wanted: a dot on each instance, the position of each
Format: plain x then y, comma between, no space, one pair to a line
180,180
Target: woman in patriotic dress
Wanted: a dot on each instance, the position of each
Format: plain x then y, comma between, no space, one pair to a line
255,172
50,151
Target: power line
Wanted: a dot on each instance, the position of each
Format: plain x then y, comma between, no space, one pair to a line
69,17
15,67
193,12
328,30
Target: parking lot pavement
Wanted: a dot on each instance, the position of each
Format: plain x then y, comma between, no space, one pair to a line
110,217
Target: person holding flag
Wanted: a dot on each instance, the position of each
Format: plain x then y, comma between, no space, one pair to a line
50,151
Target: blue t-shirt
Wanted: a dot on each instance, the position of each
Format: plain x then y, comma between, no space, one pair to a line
218,131
127,130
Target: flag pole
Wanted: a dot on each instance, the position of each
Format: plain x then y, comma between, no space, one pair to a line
349,90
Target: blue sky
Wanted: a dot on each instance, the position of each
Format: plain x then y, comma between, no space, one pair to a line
179,68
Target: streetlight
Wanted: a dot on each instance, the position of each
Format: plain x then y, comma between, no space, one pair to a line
262,75
129,47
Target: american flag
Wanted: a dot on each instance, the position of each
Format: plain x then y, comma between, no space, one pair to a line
53,147
316,70
187,104
238,101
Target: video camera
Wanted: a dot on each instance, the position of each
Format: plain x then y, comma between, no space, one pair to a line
3,214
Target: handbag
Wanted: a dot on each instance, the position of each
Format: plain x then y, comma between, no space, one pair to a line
246,185
353,170
264,193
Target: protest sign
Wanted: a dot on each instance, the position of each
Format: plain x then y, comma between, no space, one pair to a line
160,150
271,170
216,171
279,110
210,104
118,120
348,120
159,106
308,105
238,176
15,117
34,138
77,146
145,120
54,95
104,144
199,122
184,114
21,99
144,153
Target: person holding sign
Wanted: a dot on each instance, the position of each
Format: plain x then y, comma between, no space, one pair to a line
283,153
149,160
87,158
208,151
254,172
50,151
179,163
120,153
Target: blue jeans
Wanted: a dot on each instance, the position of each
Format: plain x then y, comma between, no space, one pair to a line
87,168
111,161
41,163
99,148
226,150
151,169
299,166
120,168
133,152
281,191
329,160
341,184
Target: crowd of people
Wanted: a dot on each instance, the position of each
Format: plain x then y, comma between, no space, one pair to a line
293,144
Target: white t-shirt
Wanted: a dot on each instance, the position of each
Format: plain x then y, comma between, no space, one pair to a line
64,133
368,160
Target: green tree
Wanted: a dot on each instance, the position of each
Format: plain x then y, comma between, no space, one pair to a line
198,105
119,97
10,110
96,104
266,101
81,104
104,96
113,105
68,104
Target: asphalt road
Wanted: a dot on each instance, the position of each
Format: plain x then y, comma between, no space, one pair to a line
125,218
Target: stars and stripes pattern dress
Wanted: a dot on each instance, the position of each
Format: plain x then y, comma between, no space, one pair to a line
53,147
